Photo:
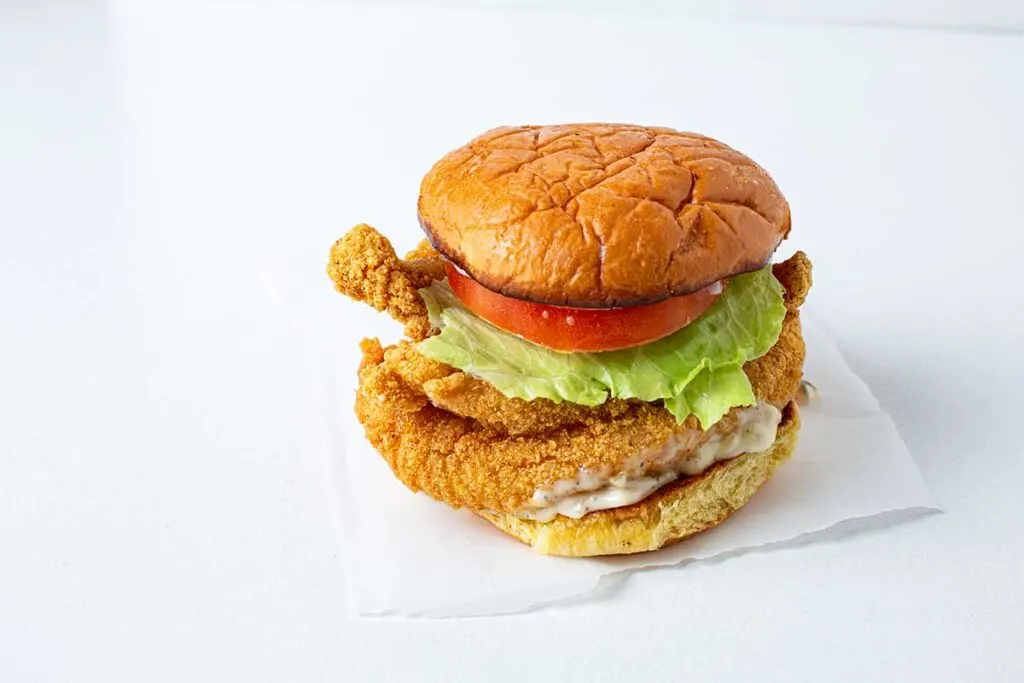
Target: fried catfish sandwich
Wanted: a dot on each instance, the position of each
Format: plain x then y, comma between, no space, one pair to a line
601,358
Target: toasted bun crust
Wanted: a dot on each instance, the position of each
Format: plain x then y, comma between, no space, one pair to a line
681,509
600,215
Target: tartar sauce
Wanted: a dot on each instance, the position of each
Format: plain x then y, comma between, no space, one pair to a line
597,490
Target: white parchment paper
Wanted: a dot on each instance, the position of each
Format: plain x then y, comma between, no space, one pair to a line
409,555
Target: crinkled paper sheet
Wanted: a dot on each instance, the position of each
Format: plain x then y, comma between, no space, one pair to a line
409,555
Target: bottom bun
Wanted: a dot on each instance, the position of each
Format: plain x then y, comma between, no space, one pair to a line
685,507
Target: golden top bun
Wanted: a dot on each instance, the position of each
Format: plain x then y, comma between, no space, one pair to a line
600,215
683,508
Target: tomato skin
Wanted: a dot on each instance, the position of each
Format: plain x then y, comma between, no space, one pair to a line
569,329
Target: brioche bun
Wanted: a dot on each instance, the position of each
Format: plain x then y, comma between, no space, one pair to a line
600,215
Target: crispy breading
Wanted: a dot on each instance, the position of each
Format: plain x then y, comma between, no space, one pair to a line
459,440
795,275
470,397
467,396
424,264
482,464
373,353
465,463
364,266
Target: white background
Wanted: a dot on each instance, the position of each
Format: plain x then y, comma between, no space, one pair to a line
1004,16
170,181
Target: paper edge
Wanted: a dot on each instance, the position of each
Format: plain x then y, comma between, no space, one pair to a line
607,586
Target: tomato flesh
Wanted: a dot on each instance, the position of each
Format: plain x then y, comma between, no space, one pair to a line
565,328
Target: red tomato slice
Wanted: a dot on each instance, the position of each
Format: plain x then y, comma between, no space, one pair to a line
564,328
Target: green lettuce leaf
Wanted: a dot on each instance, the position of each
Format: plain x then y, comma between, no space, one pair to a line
711,394
696,371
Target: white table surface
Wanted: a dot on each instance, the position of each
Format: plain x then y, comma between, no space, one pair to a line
170,187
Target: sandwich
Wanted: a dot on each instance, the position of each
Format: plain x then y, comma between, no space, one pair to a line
600,356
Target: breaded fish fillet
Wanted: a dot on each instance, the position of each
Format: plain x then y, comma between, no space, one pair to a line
461,441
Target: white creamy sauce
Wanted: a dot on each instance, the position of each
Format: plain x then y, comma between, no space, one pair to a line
648,471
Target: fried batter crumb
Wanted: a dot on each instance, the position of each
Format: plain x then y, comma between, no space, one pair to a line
364,266
795,275
424,265
373,353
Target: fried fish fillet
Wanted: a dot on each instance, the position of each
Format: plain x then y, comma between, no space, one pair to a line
364,266
462,442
